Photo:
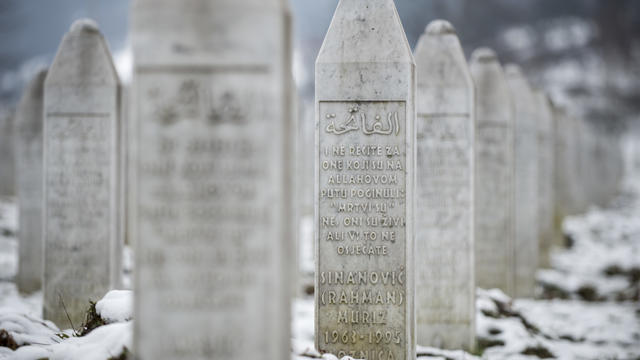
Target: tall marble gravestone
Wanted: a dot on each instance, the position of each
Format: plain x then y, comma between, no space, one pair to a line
7,156
212,189
561,169
494,170
29,181
545,177
445,285
81,127
365,111
526,183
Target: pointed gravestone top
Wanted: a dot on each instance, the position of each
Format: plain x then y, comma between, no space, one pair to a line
440,27
365,31
88,25
83,58
442,68
483,55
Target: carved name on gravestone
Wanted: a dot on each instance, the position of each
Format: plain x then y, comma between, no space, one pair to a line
365,84
545,177
494,183
445,287
526,183
29,181
82,251
212,177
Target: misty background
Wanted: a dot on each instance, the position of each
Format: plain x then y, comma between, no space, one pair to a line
584,53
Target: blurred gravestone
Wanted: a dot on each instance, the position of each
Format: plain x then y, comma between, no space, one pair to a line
29,181
365,111
81,127
7,160
494,181
544,120
212,177
561,172
526,183
445,286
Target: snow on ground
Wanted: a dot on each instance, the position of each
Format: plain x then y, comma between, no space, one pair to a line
603,262
601,265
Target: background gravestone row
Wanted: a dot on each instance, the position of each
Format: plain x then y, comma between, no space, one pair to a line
432,177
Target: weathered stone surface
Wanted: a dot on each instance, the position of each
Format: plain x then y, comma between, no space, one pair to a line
365,111
81,126
29,180
526,182
212,189
445,286
545,177
494,181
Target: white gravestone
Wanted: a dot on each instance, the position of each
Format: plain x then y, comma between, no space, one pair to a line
213,186
526,183
494,181
365,111
7,156
445,285
561,170
579,198
81,127
545,177
29,183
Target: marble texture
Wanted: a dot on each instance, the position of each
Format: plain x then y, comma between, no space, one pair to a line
81,181
545,177
211,184
494,181
364,190
445,126
29,180
526,182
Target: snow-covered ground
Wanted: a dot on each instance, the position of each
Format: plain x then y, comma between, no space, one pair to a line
588,306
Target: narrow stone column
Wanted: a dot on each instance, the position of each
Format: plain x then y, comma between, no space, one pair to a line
365,146
81,176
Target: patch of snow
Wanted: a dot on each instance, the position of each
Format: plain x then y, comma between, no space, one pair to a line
605,251
102,343
423,352
27,329
116,306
